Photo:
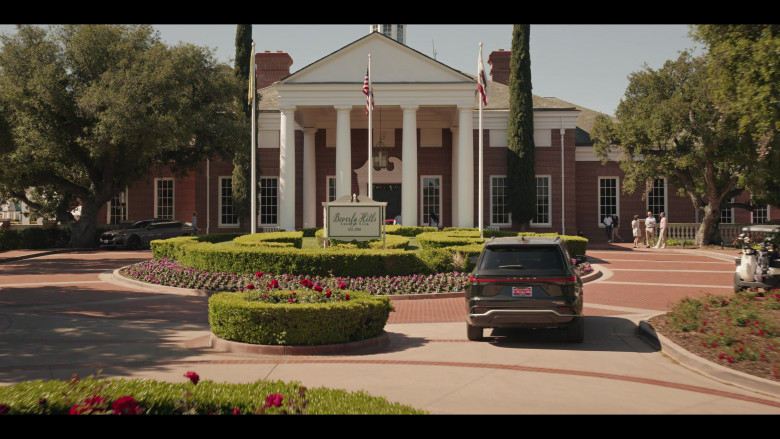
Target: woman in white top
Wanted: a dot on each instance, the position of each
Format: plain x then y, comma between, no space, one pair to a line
635,230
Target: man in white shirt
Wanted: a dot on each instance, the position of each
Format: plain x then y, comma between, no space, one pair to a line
649,229
608,223
662,232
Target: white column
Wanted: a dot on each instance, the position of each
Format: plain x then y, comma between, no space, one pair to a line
287,170
465,167
455,179
409,171
309,174
343,152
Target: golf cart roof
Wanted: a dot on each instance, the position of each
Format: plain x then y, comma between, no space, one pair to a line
762,228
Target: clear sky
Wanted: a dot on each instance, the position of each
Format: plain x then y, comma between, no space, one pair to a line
587,65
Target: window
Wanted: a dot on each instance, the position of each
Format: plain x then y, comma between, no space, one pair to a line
760,215
331,188
388,30
727,214
542,217
400,33
608,198
163,199
269,200
499,211
656,198
227,217
431,198
117,208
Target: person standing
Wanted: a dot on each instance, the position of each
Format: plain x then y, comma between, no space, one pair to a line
608,227
635,231
662,232
615,228
195,221
649,229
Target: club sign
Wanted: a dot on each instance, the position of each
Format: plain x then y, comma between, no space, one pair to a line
354,218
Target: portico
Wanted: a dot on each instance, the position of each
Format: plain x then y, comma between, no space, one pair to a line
423,110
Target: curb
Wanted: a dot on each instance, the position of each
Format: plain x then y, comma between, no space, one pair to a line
705,367
36,254
381,341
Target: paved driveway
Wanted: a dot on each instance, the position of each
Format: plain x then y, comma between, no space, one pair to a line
64,313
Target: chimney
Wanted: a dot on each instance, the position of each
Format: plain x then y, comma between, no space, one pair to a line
499,66
271,67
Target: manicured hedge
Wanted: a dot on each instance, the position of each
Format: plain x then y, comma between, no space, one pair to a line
206,397
295,239
40,237
242,317
391,241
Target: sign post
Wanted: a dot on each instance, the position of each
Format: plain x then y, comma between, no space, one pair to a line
355,218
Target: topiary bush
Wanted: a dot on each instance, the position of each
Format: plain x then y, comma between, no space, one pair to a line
298,318
295,239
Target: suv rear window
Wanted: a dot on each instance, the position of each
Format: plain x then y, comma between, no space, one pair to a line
522,260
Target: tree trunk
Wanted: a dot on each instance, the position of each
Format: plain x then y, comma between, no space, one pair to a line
83,231
708,230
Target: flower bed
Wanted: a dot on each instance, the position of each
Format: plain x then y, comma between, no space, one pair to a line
740,331
165,272
193,396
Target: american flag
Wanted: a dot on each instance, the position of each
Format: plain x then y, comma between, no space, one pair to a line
482,80
368,90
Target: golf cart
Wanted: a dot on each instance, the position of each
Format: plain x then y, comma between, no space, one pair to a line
758,267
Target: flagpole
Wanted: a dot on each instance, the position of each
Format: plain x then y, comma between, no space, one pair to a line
253,195
481,206
370,132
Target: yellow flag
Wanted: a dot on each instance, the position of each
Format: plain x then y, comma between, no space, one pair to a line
252,75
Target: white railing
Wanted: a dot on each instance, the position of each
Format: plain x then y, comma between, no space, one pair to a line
687,231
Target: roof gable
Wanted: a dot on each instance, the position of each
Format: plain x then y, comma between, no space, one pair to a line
391,62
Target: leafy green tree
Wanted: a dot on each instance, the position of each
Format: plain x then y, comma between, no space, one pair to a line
744,77
242,158
89,110
521,159
670,126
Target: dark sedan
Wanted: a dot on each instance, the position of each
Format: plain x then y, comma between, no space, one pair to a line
143,232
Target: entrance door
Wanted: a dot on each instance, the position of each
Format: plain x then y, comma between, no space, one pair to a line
390,193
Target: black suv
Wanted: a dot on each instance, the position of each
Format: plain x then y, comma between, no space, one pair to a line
525,282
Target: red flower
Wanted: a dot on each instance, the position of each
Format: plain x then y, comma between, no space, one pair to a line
274,400
346,297
291,300
4,409
193,377
236,411
126,405
259,273
250,287
318,288
342,285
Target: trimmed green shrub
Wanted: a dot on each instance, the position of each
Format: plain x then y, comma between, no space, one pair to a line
309,232
408,231
206,397
448,238
391,241
269,318
38,237
264,239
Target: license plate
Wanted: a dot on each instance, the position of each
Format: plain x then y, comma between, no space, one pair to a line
521,291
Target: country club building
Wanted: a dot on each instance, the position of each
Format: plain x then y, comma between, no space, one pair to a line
312,146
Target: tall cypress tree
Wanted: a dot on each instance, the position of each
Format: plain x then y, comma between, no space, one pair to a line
242,156
521,160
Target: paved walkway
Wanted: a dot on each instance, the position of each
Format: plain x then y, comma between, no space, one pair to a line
65,312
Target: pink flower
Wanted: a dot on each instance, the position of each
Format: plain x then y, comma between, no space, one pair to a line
236,411
274,400
126,405
192,377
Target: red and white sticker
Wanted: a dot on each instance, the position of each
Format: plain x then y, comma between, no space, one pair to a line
521,291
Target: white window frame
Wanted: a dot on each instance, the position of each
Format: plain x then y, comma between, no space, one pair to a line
423,220
666,199
124,216
329,186
508,214
261,201
222,224
600,216
727,211
766,220
549,202
157,206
